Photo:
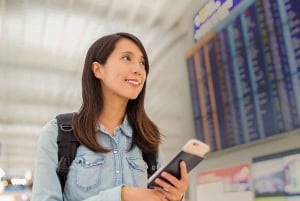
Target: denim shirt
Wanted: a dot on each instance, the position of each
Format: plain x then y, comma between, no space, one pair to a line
92,176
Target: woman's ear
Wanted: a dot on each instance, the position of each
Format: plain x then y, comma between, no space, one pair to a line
97,70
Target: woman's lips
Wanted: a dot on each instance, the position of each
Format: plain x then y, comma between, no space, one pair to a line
133,82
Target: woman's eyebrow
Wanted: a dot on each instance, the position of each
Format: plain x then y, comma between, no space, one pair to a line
131,53
127,52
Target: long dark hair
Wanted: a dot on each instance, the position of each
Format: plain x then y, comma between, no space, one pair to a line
146,134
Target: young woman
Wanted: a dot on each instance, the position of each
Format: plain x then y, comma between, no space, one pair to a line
113,130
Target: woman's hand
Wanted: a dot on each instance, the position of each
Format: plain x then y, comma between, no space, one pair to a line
145,194
165,191
177,188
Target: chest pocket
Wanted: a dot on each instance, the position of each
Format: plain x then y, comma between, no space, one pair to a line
138,170
88,171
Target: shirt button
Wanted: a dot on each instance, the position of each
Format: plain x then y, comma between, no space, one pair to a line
117,171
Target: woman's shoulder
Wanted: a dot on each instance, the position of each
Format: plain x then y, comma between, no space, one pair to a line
50,127
48,134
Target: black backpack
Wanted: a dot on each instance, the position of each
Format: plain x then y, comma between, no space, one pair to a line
68,144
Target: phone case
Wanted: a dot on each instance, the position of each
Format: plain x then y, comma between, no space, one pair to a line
192,153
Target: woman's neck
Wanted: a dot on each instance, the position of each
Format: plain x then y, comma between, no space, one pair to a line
112,116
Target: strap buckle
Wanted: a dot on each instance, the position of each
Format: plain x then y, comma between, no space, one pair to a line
63,166
66,127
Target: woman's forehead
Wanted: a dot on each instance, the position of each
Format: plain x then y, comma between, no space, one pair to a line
128,46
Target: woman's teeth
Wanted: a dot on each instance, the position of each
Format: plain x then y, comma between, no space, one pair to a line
133,82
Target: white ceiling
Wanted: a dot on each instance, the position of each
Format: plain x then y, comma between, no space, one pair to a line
42,48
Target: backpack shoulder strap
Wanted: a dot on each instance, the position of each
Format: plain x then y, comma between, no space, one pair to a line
151,160
67,146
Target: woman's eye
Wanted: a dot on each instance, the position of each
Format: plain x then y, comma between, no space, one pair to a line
127,58
143,63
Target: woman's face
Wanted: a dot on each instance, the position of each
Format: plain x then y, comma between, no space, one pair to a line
123,75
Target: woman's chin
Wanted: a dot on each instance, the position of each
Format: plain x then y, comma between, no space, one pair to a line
132,96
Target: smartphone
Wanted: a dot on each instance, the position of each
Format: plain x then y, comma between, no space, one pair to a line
193,152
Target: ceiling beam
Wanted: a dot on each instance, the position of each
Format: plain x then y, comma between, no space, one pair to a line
3,41
18,162
88,21
23,30
132,13
2,16
175,15
25,151
31,113
34,85
171,37
18,143
159,6
112,9
67,15
14,130
44,23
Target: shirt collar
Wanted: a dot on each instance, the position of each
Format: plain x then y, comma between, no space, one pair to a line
125,127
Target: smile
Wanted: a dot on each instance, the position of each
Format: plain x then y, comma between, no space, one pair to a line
133,82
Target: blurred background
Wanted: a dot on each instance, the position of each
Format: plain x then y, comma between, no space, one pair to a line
42,50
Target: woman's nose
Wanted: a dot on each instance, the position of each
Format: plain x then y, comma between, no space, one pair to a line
137,67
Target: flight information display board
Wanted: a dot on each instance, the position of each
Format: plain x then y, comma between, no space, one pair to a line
245,74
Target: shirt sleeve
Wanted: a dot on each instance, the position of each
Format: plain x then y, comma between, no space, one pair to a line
46,185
